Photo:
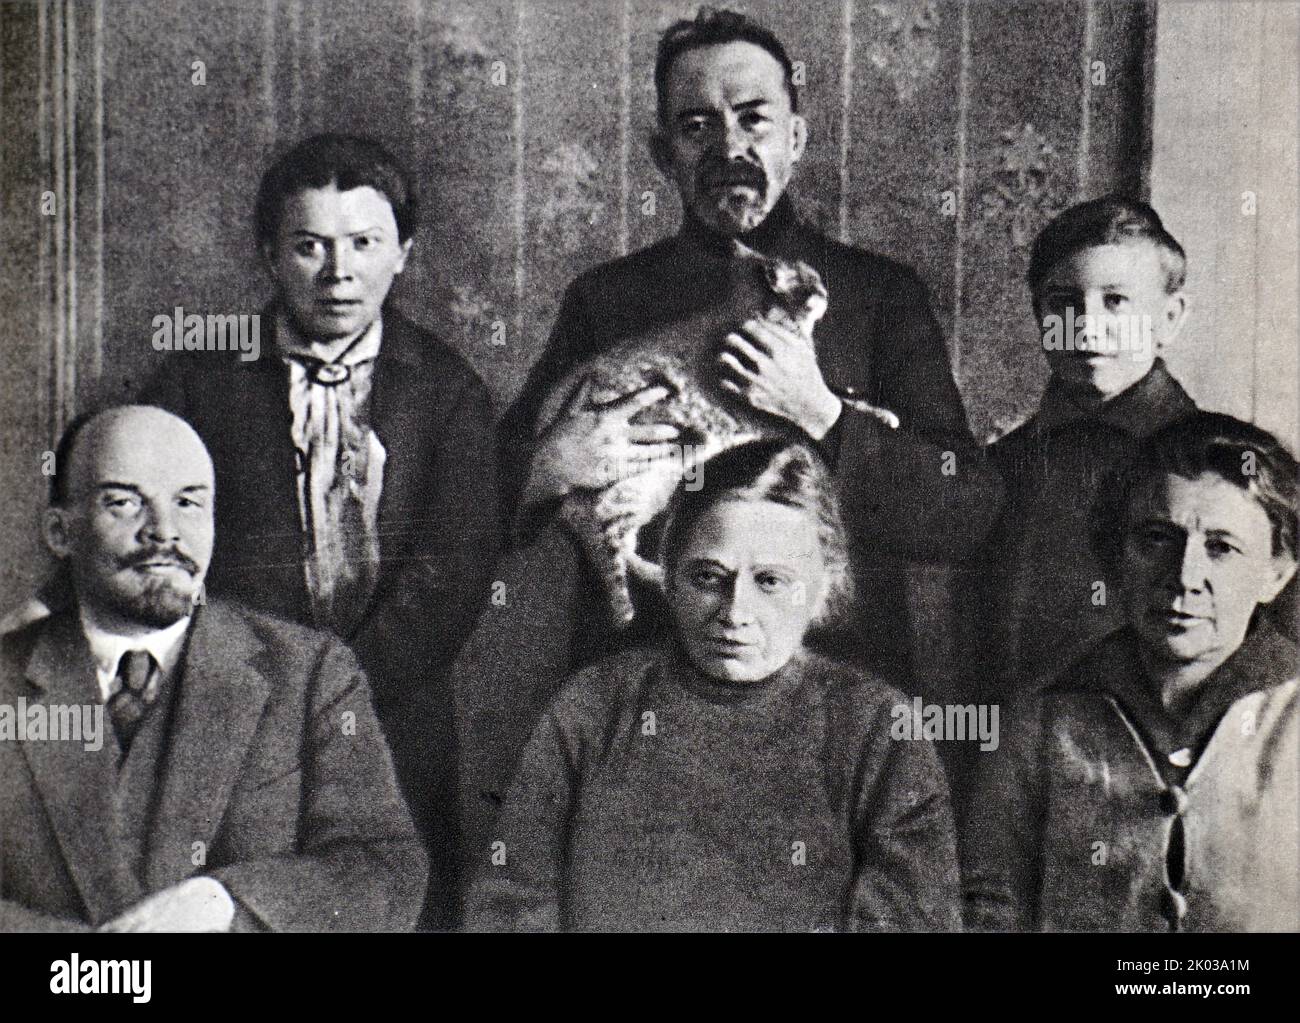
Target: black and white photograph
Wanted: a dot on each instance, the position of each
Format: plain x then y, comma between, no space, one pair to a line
772,466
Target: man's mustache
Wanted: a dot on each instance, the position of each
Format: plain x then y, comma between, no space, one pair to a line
733,172
169,555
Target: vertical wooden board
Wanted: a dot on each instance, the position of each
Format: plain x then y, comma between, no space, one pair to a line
458,76
1116,80
25,427
1024,110
88,204
348,70
904,140
1224,345
902,164
572,156
1208,88
181,166
1277,342
24,227
815,38
646,21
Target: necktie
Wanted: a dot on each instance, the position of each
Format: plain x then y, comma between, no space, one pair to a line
134,690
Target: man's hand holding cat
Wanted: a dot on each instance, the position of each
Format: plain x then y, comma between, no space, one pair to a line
590,446
774,368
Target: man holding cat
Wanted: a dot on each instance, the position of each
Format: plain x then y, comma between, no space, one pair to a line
729,138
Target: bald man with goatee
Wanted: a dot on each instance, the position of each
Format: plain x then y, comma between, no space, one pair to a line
242,781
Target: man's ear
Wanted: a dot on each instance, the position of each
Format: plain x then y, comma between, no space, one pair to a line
406,251
267,251
54,529
798,136
1283,569
661,152
821,608
1175,315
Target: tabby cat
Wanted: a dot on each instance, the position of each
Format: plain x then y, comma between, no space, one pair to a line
681,357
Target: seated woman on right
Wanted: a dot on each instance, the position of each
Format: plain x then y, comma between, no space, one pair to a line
1154,786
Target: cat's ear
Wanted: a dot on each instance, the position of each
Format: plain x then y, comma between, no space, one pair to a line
776,279
577,401
810,278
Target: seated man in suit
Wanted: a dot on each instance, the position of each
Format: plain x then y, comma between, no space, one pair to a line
242,781
356,478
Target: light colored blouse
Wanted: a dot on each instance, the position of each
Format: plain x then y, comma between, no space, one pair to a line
1104,812
340,472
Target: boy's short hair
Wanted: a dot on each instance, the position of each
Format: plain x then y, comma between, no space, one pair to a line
712,27
1110,220
345,161
1203,442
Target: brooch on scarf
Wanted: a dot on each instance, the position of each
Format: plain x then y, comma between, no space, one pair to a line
330,373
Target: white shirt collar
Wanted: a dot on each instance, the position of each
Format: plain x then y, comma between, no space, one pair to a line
107,648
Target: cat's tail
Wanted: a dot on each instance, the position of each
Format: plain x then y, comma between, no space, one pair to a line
879,411
608,557
647,571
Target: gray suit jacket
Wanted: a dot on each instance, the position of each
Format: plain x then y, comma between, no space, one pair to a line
268,772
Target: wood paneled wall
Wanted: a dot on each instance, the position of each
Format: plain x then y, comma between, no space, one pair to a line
944,133
1225,179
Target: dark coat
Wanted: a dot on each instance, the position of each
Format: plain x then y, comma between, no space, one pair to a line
1073,823
439,529
878,341
1034,604
299,816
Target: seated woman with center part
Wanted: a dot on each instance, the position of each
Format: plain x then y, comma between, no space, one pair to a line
728,778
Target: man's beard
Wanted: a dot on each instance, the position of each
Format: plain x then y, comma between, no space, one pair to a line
158,602
732,212
158,605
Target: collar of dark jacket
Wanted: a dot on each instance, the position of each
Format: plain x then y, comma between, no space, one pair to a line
770,237
1265,659
1154,401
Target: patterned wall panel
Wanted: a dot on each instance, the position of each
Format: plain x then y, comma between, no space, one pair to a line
572,130
1023,147
943,132
458,128
182,161
905,138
